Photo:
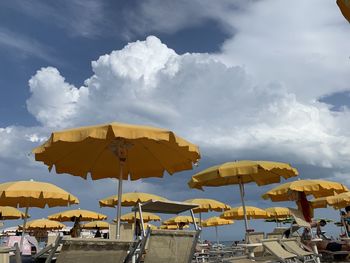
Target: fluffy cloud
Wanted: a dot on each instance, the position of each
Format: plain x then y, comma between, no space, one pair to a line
216,105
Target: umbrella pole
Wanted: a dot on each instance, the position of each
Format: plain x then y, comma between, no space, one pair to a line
24,227
120,190
241,189
217,236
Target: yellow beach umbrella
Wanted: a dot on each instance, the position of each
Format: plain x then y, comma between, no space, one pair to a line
130,199
83,215
252,212
8,212
278,212
153,227
130,217
43,224
117,150
180,219
34,194
317,188
96,224
173,227
344,6
241,172
337,201
300,189
206,205
217,221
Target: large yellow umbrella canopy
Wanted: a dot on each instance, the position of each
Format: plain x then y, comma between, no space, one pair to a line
130,217
8,212
44,224
96,224
130,199
241,172
84,215
117,150
180,219
34,194
344,6
278,212
215,222
317,188
206,205
252,212
337,201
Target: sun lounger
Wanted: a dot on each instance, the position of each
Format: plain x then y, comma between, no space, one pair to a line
46,251
92,250
256,237
171,246
293,246
275,248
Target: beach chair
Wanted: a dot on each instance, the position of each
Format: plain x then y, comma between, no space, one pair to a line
273,236
293,246
45,252
93,250
171,246
275,248
256,237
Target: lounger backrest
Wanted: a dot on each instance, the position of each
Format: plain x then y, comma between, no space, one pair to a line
293,246
273,235
51,239
171,246
299,218
256,237
126,231
90,250
276,249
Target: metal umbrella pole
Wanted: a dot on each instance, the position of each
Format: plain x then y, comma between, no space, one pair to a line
24,227
241,189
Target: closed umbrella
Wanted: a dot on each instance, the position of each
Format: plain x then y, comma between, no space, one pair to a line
117,150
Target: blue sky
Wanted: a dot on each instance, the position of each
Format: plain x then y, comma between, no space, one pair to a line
241,79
